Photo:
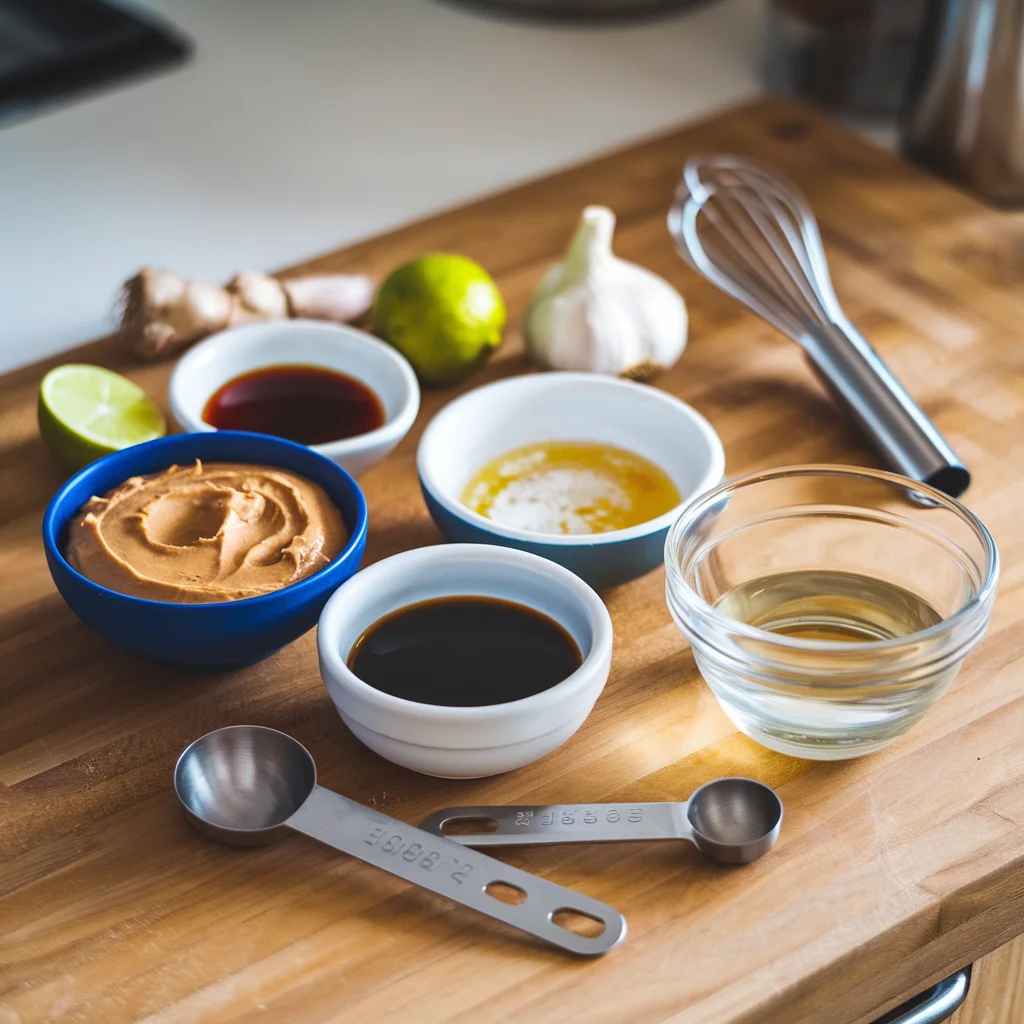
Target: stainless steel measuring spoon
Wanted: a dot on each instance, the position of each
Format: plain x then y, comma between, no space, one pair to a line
730,820
247,785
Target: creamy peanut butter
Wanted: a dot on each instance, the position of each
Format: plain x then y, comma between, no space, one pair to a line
195,534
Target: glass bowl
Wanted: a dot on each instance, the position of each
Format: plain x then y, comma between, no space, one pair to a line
829,607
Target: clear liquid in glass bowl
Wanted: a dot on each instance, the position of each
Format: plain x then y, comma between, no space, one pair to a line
828,608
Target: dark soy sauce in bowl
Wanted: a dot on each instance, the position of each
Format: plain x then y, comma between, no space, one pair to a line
464,652
308,404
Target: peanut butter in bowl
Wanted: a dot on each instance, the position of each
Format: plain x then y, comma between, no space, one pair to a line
197,534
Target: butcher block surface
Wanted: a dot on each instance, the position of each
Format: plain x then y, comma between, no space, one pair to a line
891,871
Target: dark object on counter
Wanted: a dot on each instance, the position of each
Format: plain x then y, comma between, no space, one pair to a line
52,50
848,56
308,404
963,117
751,233
465,652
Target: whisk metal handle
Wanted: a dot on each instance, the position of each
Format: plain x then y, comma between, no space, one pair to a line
903,435
750,232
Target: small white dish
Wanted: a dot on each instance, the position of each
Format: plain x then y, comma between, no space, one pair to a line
464,742
491,420
228,354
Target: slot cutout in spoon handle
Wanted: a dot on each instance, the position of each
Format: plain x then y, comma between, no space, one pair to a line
731,820
461,874
560,823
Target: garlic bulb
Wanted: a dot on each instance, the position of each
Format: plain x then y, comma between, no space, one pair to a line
598,312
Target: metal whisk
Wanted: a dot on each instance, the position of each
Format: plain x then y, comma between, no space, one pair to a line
749,231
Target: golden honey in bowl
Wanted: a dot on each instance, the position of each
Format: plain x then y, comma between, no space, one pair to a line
570,487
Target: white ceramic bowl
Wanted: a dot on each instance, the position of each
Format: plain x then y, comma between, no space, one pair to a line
227,354
458,743
491,420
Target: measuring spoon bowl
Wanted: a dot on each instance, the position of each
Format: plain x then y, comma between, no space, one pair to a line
734,820
240,784
248,785
730,820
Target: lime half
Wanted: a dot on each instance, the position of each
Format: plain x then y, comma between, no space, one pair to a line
86,412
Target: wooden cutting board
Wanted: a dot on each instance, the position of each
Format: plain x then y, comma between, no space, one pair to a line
891,872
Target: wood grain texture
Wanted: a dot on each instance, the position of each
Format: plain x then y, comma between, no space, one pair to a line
891,872
996,995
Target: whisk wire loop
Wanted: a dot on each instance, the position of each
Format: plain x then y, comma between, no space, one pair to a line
748,231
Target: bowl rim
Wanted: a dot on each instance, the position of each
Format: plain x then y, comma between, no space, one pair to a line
356,539
713,473
390,432
338,673
677,586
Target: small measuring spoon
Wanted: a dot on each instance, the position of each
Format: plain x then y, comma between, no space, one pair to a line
247,785
731,820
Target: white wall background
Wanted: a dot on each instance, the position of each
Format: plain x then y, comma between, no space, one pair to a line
301,126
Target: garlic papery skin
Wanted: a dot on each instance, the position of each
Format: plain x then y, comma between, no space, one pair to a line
600,313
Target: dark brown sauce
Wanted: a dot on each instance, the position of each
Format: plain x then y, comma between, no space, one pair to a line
464,652
308,404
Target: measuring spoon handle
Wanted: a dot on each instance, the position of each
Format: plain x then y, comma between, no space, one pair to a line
465,876
560,823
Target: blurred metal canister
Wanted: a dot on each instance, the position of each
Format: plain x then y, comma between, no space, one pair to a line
964,111
847,56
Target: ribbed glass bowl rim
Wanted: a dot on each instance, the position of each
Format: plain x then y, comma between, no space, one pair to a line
680,589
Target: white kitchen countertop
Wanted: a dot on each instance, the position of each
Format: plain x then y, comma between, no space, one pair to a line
299,127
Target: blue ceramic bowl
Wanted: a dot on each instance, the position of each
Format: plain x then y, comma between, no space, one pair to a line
485,423
227,633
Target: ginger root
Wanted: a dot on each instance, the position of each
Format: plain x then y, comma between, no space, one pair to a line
163,313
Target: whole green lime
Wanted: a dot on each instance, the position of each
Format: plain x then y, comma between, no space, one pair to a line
443,312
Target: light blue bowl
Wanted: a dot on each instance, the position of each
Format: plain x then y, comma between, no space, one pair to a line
223,634
489,421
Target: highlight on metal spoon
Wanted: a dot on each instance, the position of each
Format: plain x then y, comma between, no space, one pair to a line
730,820
248,785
